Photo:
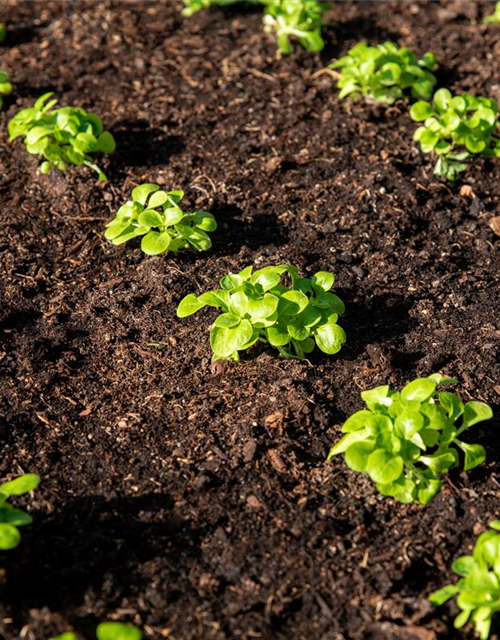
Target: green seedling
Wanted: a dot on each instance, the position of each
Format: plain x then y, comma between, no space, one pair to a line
192,6
5,86
108,631
256,306
494,18
456,128
385,73
300,20
10,518
478,589
405,441
61,137
157,217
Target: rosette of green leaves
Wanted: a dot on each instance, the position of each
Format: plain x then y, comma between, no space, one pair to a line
405,441
455,128
494,18
5,86
62,137
108,631
302,21
156,215
257,306
10,518
478,589
385,73
192,6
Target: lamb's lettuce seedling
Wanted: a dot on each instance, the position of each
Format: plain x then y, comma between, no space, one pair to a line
292,20
385,73
300,20
456,128
494,18
479,587
5,86
108,631
10,518
405,441
61,137
257,306
156,215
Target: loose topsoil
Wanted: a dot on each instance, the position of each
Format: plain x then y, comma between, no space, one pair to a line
195,500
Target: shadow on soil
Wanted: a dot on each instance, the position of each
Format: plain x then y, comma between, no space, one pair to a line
93,544
139,145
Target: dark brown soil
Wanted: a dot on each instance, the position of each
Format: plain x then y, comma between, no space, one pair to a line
196,501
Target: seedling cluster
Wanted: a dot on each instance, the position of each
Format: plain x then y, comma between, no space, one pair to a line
61,137
385,73
405,441
289,20
478,590
156,215
10,517
257,306
455,128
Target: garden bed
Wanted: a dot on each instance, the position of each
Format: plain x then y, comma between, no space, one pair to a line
194,499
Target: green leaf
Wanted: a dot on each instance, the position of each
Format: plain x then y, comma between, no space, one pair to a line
378,395
384,467
329,338
452,404
68,635
323,280
420,390
441,596
358,420
420,111
475,412
428,490
278,335
292,302
264,307
150,218
348,440
106,143
9,536
188,305
226,341
441,99
297,331
268,277
141,193
205,221
158,199
227,320
439,463
16,517
20,486
154,243
117,631
464,565
408,423
474,454
357,455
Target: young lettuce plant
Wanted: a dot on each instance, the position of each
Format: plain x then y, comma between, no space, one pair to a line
10,518
108,631
296,19
256,306
494,18
456,128
405,441
157,217
61,137
5,86
479,587
385,73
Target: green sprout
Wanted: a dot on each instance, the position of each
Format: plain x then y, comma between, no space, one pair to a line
456,128
288,19
10,518
5,86
61,137
405,441
108,631
494,18
258,307
157,216
385,73
479,587
300,20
